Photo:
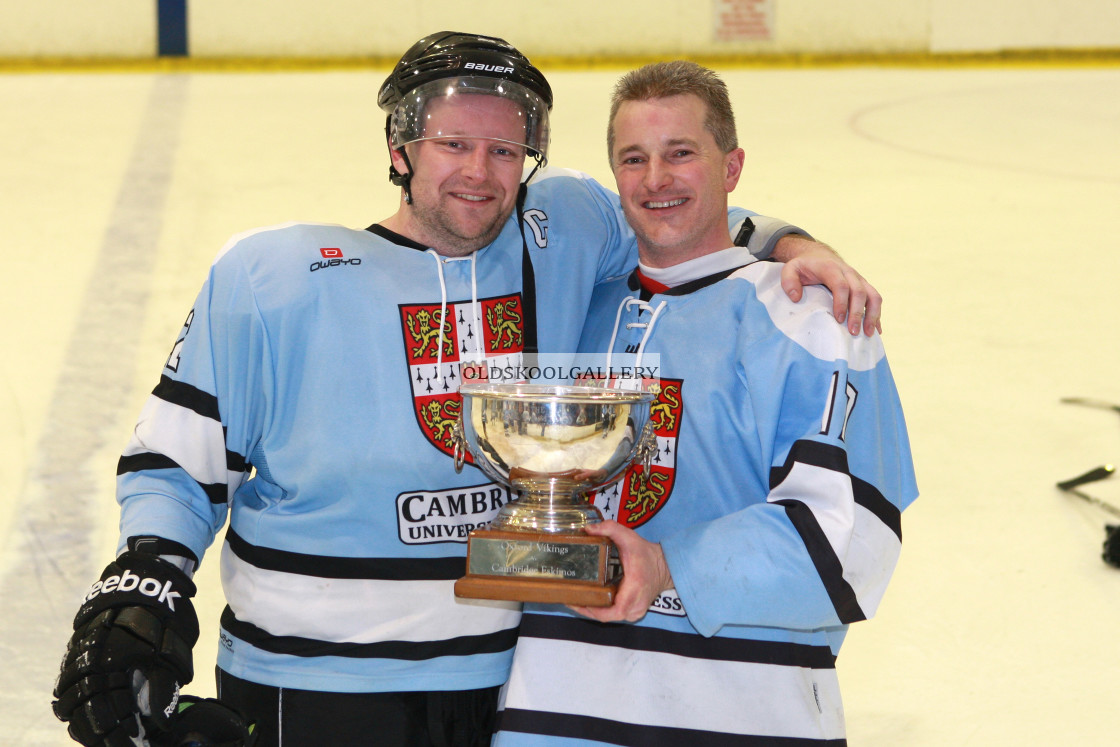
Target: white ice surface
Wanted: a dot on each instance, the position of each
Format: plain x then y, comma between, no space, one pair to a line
980,201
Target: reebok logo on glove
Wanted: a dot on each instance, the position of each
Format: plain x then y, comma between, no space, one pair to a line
173,706
126,582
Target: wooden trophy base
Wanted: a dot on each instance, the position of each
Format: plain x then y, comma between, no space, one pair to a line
576,569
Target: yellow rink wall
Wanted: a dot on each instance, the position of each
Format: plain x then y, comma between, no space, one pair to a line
212,33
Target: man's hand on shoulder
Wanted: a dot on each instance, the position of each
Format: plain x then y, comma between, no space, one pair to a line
809,262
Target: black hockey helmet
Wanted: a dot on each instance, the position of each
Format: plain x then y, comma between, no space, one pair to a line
450,63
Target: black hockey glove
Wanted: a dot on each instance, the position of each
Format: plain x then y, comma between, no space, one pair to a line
206,723
130,653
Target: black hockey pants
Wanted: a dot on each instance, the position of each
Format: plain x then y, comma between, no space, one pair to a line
302,718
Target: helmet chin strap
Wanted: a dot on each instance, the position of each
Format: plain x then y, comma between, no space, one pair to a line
525,182
397,178
403,180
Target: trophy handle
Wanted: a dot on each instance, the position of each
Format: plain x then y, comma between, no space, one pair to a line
647,447
459,439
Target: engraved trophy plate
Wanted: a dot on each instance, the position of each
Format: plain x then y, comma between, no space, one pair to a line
551,444
535,556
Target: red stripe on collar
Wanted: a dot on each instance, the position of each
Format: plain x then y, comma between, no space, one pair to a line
650,284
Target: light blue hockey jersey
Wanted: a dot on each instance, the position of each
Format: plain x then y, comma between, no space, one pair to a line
783,467
324,362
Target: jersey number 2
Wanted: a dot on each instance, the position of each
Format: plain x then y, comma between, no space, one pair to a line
173,359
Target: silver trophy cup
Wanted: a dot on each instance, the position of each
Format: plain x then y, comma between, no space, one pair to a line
552,445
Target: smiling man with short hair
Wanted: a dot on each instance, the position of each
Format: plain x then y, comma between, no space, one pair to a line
771,517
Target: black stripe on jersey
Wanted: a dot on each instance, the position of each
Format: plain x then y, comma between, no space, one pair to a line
190,397
565,628
234,461
326,566
813,453
467,645
639,735
201,403
834,458
870,498
204,404
829,567
216,492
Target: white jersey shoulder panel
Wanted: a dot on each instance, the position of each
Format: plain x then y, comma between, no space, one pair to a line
809,322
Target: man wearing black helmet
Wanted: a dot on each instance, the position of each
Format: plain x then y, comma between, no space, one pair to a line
310,398
497,68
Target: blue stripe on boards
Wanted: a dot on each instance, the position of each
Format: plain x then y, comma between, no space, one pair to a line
172,21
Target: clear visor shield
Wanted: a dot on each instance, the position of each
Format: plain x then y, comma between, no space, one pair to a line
472,107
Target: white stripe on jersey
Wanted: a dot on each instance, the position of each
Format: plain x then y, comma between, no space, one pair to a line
196,443
867,548
659,689
347,610
873,553
809,322
827,493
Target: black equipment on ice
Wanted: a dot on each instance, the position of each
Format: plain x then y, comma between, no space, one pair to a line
1111,554
1111,551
